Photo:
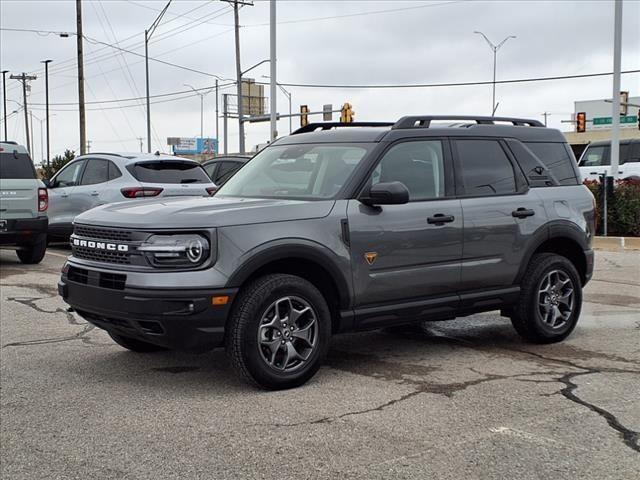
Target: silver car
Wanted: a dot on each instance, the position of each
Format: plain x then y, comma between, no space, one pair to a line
99,178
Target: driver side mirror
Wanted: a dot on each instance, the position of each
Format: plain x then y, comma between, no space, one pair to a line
386,193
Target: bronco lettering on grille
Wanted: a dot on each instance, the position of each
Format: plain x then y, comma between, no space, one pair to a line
113,247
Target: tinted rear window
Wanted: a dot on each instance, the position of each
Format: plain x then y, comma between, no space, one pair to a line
556,157
168,172
16,166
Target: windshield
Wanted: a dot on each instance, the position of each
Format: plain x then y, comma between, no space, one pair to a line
306,171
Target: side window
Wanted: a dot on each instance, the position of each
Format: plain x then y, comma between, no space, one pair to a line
69,176
419,165
485,168
595,157
557,159
211,168
97,171
226,171
114,171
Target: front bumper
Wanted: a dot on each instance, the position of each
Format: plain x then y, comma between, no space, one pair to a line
180,319
22,231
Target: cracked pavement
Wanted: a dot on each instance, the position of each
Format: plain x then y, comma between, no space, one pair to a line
461,399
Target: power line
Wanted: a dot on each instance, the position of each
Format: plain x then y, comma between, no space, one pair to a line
454,84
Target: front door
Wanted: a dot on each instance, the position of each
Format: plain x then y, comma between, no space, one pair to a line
410,252
61,211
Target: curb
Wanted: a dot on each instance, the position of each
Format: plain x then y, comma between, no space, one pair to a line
616,244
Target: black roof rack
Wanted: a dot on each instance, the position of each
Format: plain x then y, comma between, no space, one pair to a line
312,127
424,121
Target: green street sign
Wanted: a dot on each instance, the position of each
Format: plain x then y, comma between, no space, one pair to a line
607,120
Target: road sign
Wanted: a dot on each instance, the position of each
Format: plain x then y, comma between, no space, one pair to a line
327,110
624,119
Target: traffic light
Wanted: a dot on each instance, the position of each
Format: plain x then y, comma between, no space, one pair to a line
304,118
347,113
581,122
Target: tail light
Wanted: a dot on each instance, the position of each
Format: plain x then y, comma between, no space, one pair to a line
139,192
43,200
212,190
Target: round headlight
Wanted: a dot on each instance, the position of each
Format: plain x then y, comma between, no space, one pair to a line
195,250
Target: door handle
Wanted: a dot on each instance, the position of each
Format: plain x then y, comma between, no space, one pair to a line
95,194
440,218
523,213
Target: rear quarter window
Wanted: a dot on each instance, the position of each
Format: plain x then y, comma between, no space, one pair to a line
168,171
16,166
558,159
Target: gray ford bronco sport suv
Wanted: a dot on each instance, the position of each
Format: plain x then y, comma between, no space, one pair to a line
343,227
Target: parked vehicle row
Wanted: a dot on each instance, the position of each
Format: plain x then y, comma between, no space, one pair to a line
336,229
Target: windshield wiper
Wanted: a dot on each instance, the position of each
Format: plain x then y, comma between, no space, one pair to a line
189,180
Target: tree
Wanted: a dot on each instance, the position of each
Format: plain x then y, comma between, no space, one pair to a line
57,163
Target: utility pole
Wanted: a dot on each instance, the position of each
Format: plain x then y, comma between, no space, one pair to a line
217,131
79,40
225,113
273,90
24,78
495,49
545,115
236,19
147,36
615,107
46,89
4,101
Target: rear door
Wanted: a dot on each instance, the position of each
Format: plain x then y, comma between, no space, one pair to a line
96,187
174,177
61,209
400,253
500,213
18,186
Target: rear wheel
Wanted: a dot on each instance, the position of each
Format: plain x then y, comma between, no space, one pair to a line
279,331
33,253
135,345
550,300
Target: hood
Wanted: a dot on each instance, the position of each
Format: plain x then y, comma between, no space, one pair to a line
202,212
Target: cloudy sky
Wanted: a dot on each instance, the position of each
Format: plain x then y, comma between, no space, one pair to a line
320,42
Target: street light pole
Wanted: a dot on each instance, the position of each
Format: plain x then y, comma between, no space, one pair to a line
217,122
615,108
147,37
495,49
272,89
46,88
4,100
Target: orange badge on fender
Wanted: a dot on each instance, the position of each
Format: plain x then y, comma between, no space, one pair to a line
370,257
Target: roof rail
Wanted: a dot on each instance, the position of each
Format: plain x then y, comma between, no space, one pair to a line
424,121
101,153
312,127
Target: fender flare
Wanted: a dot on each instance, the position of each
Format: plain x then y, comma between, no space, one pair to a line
296,249
556,229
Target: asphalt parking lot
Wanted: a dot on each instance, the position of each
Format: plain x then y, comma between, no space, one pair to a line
463,399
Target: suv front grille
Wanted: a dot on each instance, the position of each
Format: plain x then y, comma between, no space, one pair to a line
121,258
102,233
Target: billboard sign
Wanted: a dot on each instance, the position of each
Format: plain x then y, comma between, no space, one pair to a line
193,146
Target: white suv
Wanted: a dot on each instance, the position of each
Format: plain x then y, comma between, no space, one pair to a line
595,160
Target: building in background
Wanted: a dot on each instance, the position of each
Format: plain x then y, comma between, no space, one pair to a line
597,125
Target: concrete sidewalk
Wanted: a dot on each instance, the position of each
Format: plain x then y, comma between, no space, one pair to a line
616,244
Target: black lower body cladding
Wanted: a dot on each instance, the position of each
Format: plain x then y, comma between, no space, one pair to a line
180,319
22,231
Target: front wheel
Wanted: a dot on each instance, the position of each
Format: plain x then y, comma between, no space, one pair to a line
550,300
279,331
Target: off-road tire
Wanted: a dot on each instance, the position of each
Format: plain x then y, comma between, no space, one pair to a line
135,345
241,339
525,316
34,253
